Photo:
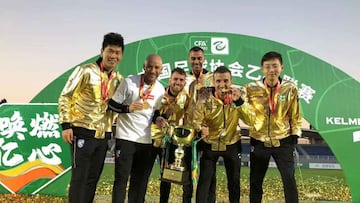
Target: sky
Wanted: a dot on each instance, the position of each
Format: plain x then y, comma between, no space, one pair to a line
41,39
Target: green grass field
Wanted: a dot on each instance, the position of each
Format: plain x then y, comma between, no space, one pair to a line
313,185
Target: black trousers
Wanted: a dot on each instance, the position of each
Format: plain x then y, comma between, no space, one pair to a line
211,197
88,155
232,162
284,159
134,160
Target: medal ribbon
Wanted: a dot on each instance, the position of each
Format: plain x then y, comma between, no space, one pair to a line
227,99
272,100
104,83
144,95
198,79
194,163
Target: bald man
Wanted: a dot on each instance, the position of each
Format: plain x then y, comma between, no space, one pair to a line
135,100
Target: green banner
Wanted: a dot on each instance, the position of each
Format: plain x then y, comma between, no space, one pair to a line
33,155
328,96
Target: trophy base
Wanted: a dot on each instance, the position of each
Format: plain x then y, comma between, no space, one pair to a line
175,176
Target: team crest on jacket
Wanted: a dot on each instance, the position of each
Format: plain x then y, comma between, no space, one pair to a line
282,97
117,153
80,143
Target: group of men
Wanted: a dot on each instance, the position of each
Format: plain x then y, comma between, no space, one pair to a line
208,102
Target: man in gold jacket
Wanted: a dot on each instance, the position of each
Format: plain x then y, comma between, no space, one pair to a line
276,127
199,77
199,82
217,117
173,112
85,118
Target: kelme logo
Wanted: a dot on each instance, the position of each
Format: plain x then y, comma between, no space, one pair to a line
356,136
219,45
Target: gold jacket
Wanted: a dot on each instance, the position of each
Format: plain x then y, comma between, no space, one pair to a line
222,120
176,109
81,103
286,119
206,80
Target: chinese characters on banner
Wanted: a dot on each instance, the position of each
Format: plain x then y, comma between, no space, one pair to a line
32,153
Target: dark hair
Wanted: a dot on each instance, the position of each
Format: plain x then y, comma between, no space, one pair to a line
113,39
222,69
3,101
178,70
196,48
270,56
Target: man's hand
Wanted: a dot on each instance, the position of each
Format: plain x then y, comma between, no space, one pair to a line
68,135
161,122
204,131
235,93
204,93
136,106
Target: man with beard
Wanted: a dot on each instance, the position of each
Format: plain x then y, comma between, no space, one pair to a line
199,77
173,112
217,118
199,80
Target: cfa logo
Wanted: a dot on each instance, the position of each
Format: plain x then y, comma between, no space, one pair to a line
211,45
219,45
200,43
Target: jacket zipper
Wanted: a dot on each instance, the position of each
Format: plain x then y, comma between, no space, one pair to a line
224,126
269,117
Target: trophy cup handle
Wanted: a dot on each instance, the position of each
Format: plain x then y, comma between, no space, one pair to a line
170,130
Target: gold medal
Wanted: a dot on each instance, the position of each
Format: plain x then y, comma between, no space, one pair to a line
225,90
181,100
146,105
